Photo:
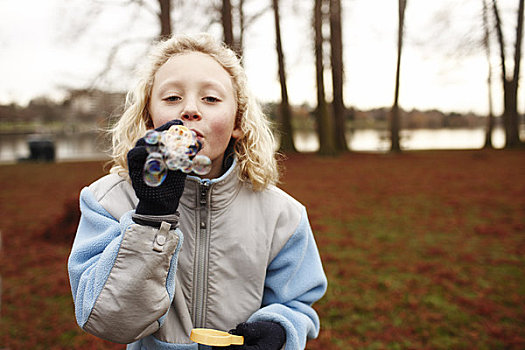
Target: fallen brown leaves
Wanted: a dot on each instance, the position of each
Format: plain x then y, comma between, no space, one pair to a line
423,250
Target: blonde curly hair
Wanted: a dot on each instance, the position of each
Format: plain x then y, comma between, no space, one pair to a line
254,150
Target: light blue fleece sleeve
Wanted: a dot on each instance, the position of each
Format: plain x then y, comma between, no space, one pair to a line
94,252
295,280
115,273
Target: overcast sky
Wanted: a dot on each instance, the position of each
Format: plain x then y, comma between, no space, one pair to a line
51,45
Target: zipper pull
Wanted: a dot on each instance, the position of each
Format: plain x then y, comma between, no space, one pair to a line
205,186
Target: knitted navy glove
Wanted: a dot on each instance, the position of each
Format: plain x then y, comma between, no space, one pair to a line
161,200
261,335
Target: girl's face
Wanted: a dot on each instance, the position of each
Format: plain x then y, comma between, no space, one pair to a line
195,88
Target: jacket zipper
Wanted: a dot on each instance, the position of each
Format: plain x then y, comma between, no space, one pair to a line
201,257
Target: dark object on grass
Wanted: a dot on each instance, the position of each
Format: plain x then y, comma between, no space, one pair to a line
63,227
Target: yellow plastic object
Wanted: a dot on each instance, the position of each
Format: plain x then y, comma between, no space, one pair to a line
212,337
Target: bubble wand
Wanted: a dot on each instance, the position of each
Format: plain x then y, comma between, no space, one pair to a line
212,337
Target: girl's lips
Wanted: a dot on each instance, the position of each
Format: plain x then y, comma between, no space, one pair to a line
198,133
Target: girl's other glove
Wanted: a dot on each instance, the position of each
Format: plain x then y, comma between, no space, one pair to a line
261,335
161,200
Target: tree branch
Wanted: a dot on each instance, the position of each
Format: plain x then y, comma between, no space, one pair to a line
111,59
145,6
124,3
249,20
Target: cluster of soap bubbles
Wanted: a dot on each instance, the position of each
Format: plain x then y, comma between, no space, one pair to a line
173,149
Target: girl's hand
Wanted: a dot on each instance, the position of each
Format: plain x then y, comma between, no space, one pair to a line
262,335
161,200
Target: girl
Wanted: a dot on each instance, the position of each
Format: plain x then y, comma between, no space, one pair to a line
228,250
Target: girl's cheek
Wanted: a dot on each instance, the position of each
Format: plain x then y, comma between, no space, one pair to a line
163,116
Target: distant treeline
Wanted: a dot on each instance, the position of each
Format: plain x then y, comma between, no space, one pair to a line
100,108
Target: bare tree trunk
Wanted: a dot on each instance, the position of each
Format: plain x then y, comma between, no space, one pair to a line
394,118
227,23
287,143
165,18
240,41
234,22
510,86
395,144
486,44
501,43
514,115
338,106
323,116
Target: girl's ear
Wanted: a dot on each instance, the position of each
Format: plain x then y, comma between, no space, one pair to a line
237,132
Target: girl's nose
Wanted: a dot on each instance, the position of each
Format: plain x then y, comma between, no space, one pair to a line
190,112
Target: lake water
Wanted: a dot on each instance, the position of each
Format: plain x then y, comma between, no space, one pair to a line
370,140
68,147
90,146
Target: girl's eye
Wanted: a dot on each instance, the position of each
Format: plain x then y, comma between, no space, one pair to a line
211,99
172,98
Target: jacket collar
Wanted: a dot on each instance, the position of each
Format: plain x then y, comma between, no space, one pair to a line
220,191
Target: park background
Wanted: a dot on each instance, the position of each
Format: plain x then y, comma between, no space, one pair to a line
422,244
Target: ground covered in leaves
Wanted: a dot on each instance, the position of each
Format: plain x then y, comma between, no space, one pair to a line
423,250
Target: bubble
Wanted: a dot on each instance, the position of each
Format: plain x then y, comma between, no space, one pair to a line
152,148
201,165
175,129
152,137
176,160
172,142
186,136
193,136
187,166
171,163
163,145
178,130
192,150
173,150
154,156
155,170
